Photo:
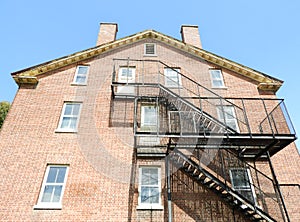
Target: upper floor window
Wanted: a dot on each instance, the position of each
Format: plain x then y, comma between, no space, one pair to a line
172,77
69,117
149,118
53,187
217,78
149,188
81,74
226,114
150,49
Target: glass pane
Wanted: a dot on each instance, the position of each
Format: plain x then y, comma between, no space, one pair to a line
61,174
68,109
47,194
145,194
80,79
52,175
240,178
154,195
127,72
149,195
82,69
75,110
149,176
217,83
65,122
73,123
57,193
216,74
149,115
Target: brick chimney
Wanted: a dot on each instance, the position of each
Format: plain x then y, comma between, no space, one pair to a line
107,33
190,35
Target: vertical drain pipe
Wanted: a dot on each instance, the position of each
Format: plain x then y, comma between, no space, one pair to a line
169,189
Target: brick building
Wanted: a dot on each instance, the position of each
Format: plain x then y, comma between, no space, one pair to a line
147,128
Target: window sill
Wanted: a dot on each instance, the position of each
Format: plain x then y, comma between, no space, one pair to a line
47,207
65,131
174,87
220,87
78,84
150,207
149,55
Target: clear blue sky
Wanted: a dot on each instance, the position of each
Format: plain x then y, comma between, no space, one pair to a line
261,34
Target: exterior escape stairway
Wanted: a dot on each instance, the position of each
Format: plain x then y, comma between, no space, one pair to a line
207,179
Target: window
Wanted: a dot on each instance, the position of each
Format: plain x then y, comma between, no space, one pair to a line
69,118
172,77
149,120
217,78
149,188
229,118
242,183
53,187
150,49
126,75
80,77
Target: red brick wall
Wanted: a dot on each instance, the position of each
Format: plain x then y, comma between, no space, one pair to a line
101,156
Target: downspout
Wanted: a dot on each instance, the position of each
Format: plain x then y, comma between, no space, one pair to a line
169,190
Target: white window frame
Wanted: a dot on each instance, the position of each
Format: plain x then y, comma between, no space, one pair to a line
52,205
78,74
175,83
249,188
220,79
150,206
63,115
228,122
145,49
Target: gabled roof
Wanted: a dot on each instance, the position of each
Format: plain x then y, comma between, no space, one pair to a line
31,74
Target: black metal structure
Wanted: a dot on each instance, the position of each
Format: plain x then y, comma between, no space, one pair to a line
191,119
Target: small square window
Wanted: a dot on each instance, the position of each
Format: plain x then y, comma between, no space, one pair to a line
53,187
172,77
69,118
149,188
150,49
217,78
81,74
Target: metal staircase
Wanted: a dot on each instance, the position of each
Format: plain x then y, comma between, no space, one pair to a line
219,183
191,120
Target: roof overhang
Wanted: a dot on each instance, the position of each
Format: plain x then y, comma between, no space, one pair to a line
31,75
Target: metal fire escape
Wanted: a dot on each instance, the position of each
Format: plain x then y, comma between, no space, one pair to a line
192,124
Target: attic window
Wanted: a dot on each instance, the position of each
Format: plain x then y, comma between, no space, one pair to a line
150,49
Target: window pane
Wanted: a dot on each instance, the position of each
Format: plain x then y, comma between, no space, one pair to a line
240,178
217,83
65,122
80,79
216,74
57,193
47,194
61,174
68,109
73,123
126,72
82,70
52,175
75,110
149,176
154,195
145,193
